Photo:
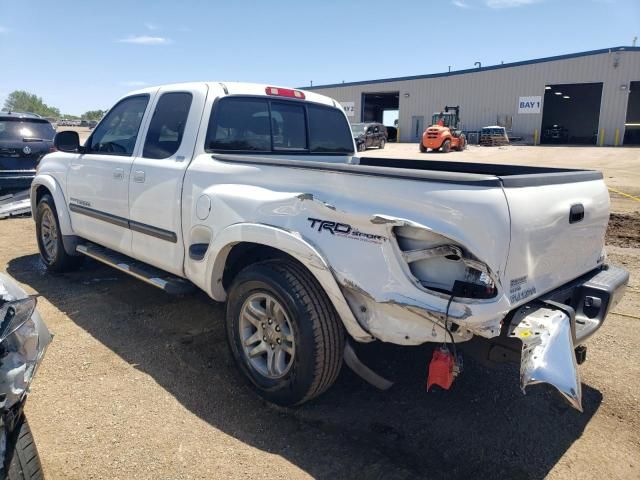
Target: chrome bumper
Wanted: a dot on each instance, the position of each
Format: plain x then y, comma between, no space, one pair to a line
552,326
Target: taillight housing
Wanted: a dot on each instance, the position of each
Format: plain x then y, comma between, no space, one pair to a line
284,92
438,263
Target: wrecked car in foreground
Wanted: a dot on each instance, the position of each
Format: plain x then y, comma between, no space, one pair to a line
23,340
254,194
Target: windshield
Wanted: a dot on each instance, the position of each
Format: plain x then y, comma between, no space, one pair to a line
358,128
16,130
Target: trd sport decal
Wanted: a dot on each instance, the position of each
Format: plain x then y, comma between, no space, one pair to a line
344,230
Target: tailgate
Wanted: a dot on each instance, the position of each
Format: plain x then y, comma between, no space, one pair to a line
548,248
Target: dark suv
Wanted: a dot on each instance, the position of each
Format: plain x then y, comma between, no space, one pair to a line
369,135
24,139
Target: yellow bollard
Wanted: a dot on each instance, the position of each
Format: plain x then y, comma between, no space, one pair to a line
602,137
535,136
616,141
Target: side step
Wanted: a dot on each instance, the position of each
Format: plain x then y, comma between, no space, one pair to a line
142,271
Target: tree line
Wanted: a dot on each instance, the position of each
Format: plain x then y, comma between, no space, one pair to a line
22,101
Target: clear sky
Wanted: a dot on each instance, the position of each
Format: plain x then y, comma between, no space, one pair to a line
82,55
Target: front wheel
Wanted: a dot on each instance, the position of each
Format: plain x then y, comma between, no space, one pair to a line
22,461
283,332
49,237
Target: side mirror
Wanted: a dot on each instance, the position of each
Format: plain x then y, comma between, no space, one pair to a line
67,141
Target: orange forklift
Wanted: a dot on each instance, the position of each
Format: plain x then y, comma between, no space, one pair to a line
444,134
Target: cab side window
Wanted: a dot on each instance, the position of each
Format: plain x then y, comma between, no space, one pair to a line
117,132
167,125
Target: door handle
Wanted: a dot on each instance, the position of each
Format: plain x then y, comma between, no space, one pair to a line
576,213
118,174
138,176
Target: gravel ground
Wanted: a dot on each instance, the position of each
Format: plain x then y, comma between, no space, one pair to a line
138,384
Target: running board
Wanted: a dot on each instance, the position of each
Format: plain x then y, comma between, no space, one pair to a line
142,271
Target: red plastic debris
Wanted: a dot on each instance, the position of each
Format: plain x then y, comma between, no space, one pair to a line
441,369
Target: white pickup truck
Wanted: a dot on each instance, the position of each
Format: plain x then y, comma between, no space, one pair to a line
254,194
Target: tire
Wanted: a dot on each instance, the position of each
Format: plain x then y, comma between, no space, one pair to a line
382,143
50,245
362,147
423,149
304,314
446,146
22,455
462,143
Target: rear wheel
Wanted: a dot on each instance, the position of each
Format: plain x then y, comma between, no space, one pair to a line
462,143
49,237
446,146
283,332
423,149
382,142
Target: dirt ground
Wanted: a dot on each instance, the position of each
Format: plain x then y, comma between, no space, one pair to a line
139,384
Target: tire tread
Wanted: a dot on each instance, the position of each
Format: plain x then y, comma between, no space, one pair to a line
327,328
25,462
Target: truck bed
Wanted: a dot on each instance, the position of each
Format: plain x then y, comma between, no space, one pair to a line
510,175
467,173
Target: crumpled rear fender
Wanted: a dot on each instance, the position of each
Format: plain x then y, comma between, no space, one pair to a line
288,242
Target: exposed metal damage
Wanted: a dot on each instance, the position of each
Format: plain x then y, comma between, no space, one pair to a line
548,351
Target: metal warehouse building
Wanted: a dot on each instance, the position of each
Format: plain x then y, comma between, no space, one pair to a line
589,97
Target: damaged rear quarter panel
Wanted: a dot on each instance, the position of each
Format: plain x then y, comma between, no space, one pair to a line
349,219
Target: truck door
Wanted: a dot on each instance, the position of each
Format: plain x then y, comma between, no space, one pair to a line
98,179
155,186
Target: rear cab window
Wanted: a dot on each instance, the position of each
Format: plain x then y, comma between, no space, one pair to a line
240,124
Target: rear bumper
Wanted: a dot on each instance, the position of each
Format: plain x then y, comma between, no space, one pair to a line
589,299
16,179
543,335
